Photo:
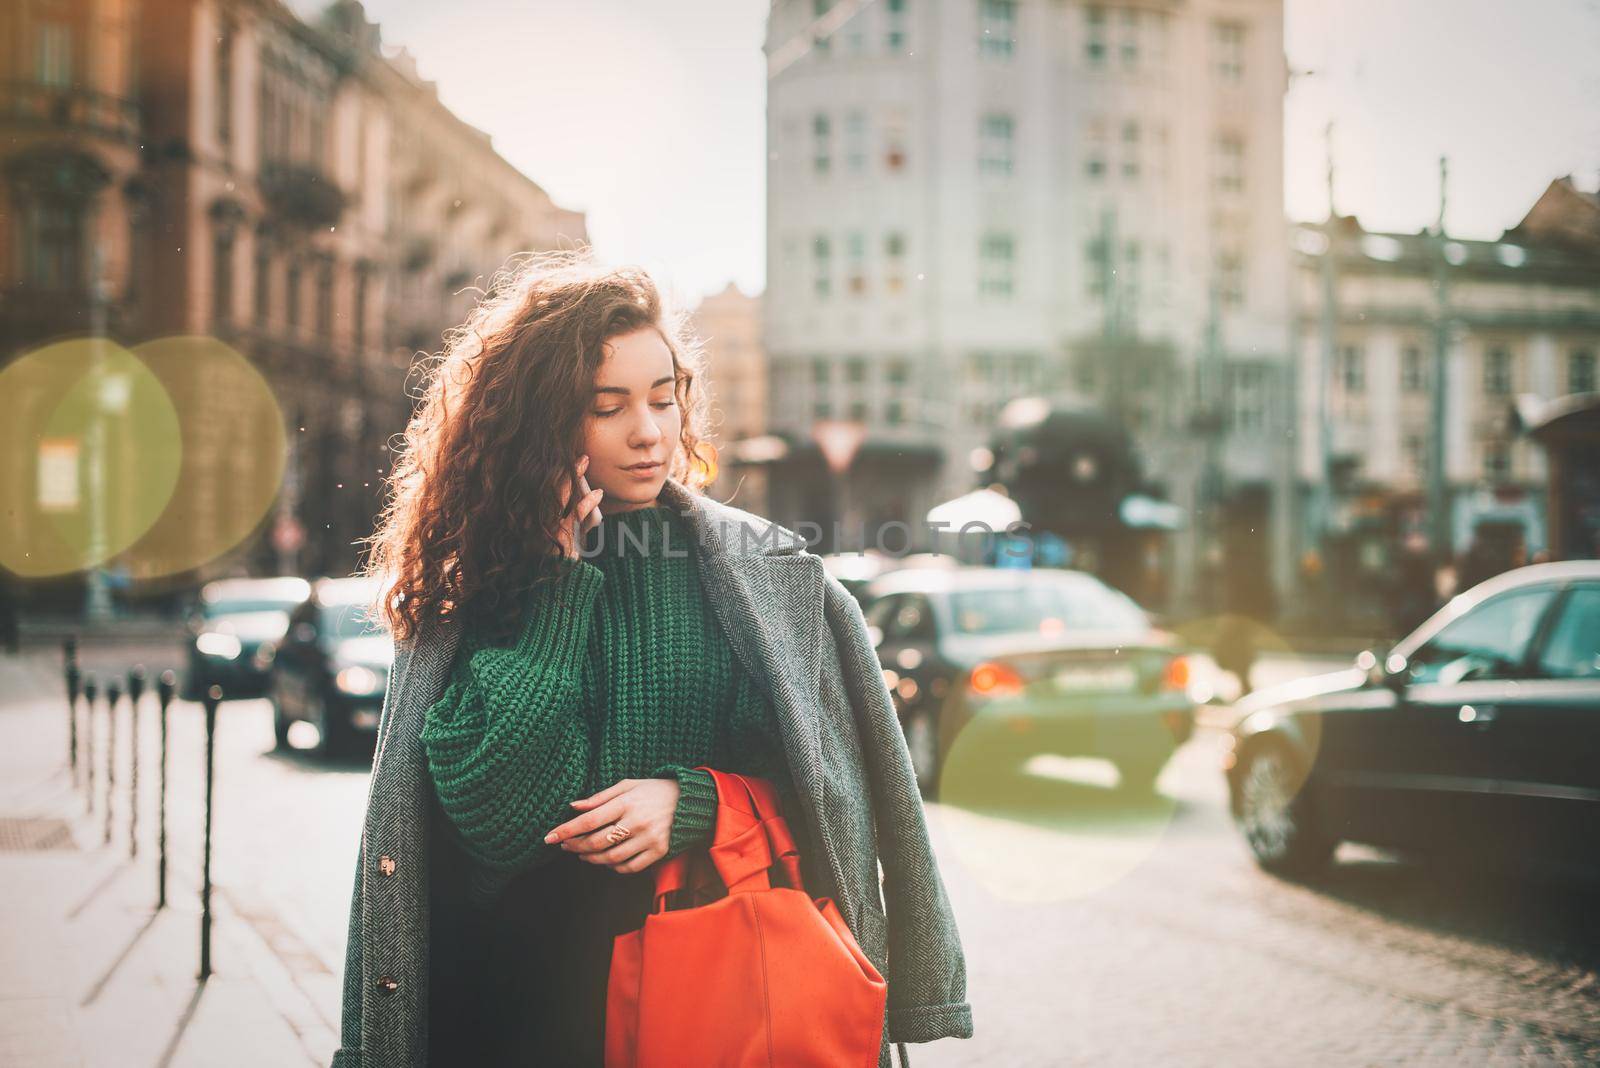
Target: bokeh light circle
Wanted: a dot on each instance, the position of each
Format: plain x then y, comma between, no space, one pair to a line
1034,826
92,450
233,458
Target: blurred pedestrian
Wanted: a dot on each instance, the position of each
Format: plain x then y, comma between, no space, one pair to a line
567,604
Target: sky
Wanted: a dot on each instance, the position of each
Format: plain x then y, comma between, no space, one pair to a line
649,115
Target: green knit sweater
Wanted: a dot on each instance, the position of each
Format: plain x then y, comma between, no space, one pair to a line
620,670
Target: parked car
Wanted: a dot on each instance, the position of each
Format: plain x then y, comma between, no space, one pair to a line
234,627
1035,660
332,666
1473,735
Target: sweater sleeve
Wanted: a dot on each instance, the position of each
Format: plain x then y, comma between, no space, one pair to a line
508,744
694,821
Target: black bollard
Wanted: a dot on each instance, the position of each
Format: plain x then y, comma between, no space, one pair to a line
69,652
113,695
166,686
90,691
135,691
212,697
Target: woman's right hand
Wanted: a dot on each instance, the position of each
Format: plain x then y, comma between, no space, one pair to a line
585,517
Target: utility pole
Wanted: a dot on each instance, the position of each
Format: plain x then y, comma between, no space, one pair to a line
1438,491
1328,331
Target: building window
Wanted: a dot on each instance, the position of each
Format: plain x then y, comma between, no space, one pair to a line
997,254
1353,368
263,280
894,412
222,276
821,147
1230,278
1415,449
53,245
994,144
1094,25
895,38
855,142
224,99
820,40
52,54
821,266
1497,461
1096,268
1580,372
1248,408
821,372
1230,162
1228,43
1130,149
997,27
325,299
1497,372
894,141
1413,373
855,247
291,296
358,333
894,251
1129,49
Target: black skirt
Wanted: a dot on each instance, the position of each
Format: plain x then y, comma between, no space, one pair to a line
525,984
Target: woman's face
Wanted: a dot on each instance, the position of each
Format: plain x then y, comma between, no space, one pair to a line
633,419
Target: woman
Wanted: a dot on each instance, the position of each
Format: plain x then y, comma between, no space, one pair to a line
615,629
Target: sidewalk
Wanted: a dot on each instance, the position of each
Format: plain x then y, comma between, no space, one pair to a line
91,973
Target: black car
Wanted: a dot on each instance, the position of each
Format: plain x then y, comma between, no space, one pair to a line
1029,661
1476,735
332,667
234,628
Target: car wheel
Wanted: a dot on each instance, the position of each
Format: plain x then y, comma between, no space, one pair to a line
922,739
1276,816
331,742
280,722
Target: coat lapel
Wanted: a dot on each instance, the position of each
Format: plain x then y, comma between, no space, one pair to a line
768,597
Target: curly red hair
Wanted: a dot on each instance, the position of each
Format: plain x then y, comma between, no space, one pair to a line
469,524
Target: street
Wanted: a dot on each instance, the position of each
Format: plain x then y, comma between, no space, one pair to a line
1097,930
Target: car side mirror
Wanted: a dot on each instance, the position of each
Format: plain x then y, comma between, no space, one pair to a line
1382,670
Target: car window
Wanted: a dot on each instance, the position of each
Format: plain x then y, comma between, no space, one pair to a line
1489,642
911,620
1573,649
1046,606
879,611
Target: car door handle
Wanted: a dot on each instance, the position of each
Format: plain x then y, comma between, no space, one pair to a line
1479,716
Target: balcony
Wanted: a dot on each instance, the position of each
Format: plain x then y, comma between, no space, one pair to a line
66,108
301,195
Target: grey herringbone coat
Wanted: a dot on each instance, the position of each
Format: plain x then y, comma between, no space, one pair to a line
801,633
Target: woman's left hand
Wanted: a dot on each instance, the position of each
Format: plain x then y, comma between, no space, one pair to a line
643,806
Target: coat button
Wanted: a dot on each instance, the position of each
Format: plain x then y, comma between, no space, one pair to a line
386,866
387,985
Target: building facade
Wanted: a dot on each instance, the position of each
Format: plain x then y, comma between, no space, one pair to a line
1517,319
226,168
972,201
729,326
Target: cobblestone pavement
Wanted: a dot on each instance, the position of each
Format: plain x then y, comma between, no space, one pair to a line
1098,930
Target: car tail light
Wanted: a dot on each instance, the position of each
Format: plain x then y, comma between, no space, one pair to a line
1176,675
994,679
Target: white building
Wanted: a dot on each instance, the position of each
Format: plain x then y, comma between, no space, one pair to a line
975,200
